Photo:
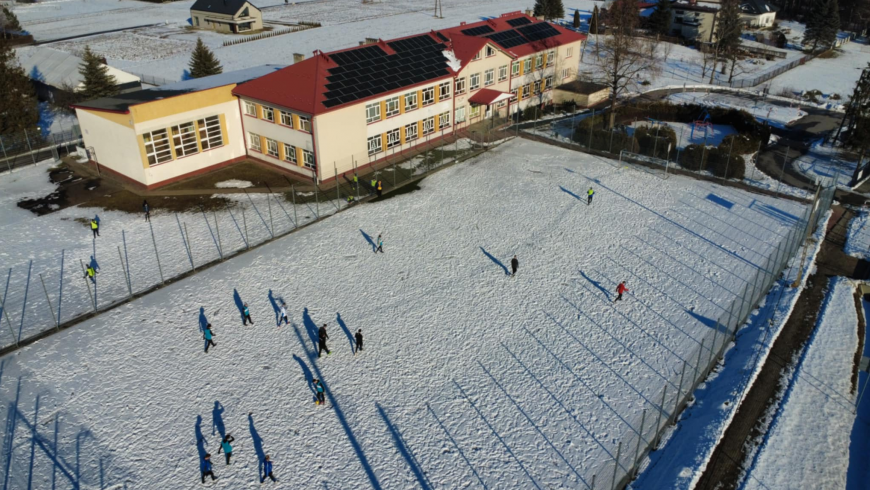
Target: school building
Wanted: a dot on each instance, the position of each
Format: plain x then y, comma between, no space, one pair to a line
334,113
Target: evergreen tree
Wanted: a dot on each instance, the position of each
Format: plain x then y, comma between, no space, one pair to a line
593,22
831,24
576,19
660,19
556,10
540,8
729,28
203,62
18,105
9,22
822,24
97,82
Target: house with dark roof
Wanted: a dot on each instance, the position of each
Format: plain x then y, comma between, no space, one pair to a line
336,112
232,16
757,13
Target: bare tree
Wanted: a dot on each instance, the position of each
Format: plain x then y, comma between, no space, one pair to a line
623,57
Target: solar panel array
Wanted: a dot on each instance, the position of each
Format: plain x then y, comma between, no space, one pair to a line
508,39
478,31
442,37
536,32
368,71
520,21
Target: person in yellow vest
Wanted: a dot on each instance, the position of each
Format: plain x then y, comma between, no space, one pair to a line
374,184
91,273
589,193
95,227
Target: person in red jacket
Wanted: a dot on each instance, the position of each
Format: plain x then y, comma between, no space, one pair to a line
619,290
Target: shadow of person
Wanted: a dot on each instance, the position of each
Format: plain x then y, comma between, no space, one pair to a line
369,239
258,445
239,304
276,308
496,261
310,327
93,263
309,378
597,285
201,443
217,419
203,321
347,333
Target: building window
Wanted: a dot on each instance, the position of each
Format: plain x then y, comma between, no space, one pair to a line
566,72
271,147
210,132
184,140
290,153
286,118
489,77
490,51
502,73
476,56
394,138
305,124
569,51
551,57
250,109
373,112
537,87
527,65
548,82
428,125
474,81
460,114
444,120
515,68
410,132
444,90
254,142
514,92
392,106
410,101
375,144
428,96
539,61
460,85
526,91
268,114
245,26
474,111
157,147
308,159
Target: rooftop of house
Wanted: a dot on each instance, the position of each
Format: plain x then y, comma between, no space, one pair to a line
757,7
123,102
330,80
693,8
581,87
59,68
227,7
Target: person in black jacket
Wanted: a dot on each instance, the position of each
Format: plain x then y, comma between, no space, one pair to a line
359,341
515,264
322,338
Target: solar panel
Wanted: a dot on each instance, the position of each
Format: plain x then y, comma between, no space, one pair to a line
443,37
477,31
536,32
521,21
508,39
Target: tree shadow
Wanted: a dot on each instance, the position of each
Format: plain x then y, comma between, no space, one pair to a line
369,239
276,306
597,285
346,332
404,450
566,191
310,327
258,445
239,304
203,321
217,420
309,378
496,261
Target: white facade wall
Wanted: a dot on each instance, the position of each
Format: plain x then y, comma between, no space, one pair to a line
233,146
278,132
480,67
114,145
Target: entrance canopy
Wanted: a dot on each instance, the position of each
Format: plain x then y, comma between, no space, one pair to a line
488,96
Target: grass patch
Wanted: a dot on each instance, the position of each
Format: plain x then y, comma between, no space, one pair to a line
830,54
252,172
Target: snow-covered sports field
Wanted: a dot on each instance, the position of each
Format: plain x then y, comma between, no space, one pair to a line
469,378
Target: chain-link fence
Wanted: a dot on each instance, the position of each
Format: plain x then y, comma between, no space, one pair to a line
48,293
29,147
616,467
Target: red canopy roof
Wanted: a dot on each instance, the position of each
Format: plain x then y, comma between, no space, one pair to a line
487,96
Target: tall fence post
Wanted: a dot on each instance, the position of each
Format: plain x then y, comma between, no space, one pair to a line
3,307
124,270
51,308
698,364
659,417
156,253
591,487
271,221
295,214
634,465
189,248
679,390
316,202
88,286
184,240
60,286
715,338
26,290
127,260
616,466
245,224
217,229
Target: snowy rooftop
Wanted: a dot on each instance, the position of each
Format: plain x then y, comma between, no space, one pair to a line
57,68
123,102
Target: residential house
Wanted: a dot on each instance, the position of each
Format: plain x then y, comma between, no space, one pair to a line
233,16
694,22
758,13
53,71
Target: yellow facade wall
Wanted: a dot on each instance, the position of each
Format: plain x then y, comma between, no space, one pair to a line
182,103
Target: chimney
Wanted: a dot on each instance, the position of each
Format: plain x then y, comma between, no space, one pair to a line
297,57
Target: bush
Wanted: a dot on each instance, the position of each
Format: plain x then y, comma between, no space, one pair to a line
646,141
743,145
713,160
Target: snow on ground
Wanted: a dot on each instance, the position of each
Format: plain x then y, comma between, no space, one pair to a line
468,376
27,182
823,162
858,240
775,115
805,445
829,75
859,442
234,184
710,136
757,178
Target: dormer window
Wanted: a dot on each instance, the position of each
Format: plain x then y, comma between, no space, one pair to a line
244,13
490,51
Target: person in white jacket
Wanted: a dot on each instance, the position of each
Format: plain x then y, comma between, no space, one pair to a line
283,315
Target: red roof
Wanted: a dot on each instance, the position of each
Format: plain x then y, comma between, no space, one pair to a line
487,96
304,86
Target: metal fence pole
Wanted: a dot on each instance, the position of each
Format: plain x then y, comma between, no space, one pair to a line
60,286
88,286
713,346
634,464
679,390
156,253
121,259
337,188
27,290
698,364
616,465
51,308
316,202
592,487
245,224
189,248
3,307
29,147
784,160
659,417
295,215
217,229
5,157
271,221
183,240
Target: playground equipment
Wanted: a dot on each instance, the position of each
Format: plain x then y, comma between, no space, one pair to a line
703,121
